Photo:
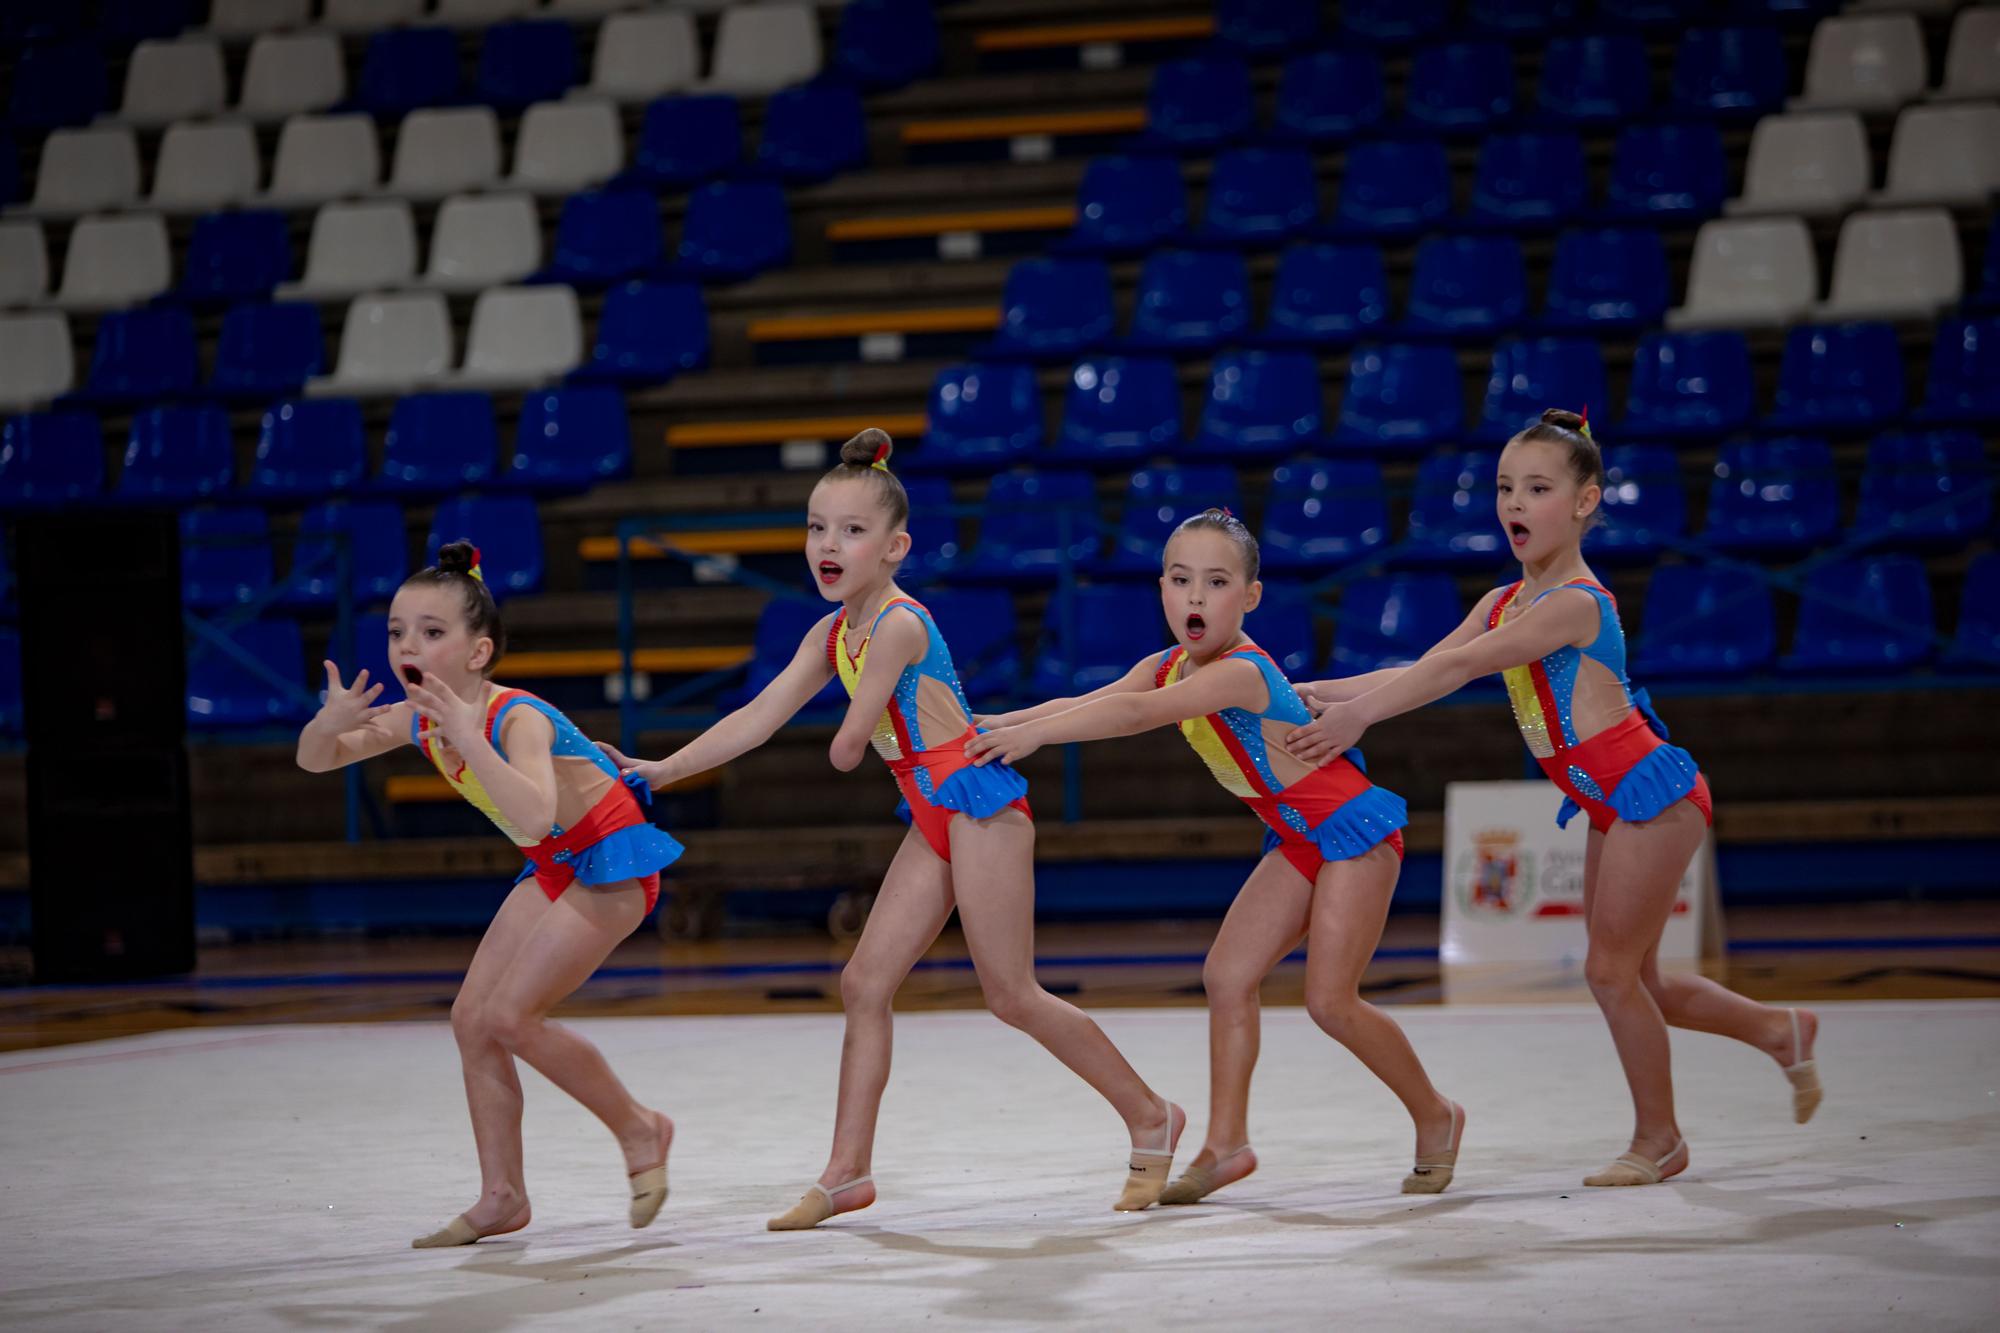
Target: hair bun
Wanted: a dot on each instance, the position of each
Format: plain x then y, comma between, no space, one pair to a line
1567,420
863,449
457,557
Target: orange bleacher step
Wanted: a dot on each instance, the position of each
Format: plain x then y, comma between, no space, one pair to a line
861,324
430,789
687,661
1053,217
1040,36
735,541
1044,124
722,434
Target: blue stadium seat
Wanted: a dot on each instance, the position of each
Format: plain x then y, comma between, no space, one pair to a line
39,20
1460,87
886,43
1595,79
648,332
526,61
1798,13
1864,615
1773,497
1644,505
1730,73
1321,514
1190,300
267,351
1127,204
1650,15
1262,405
1391,620
6,578
1401,396
1053,309
1022,534
1689,385
370,653
1925,491
1667,173
224,693
1156,500
50,458
1705,621
781,626
1392,22
813,131
1267,27
123,21
1839,377
1985,298
1119,411
408,68
506,529
1522,18
147,353
1260,196
1326,294
1199,104
685,141
1393,189
10,683
934,541
1466,287
735,229
983,417
1282,625
1976,644
1964,382
1329,96
178,453
1607,278
1529,181
225,556
1115,624
604,236
376,547
236,257
571,439
307,448
58,84
439,442
1452,519
979,623
1533,374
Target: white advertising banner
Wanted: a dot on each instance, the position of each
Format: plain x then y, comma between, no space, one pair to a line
1513,881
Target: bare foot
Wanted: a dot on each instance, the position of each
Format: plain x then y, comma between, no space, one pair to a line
1148,1134
1225,1168
498,1212
645,1146
1658,1150
850,1200
834,1194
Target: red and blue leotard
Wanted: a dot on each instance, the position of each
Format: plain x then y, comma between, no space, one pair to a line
601,835
922,735
1624,771
1330,813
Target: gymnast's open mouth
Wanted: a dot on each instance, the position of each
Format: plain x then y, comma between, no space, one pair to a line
1196,627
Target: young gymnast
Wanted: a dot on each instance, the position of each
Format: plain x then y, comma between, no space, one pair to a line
1333,845
593,873
1554,637
971,842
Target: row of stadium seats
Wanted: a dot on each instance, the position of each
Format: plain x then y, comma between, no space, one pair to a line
1116,412
1863,616
1769,500
758,49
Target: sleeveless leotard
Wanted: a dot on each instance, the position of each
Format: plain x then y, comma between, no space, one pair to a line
1624,771
601,836
1311,815
922,735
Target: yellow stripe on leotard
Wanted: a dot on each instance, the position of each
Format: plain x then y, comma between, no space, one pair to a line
884,738
1200,733
467,784
1528,715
